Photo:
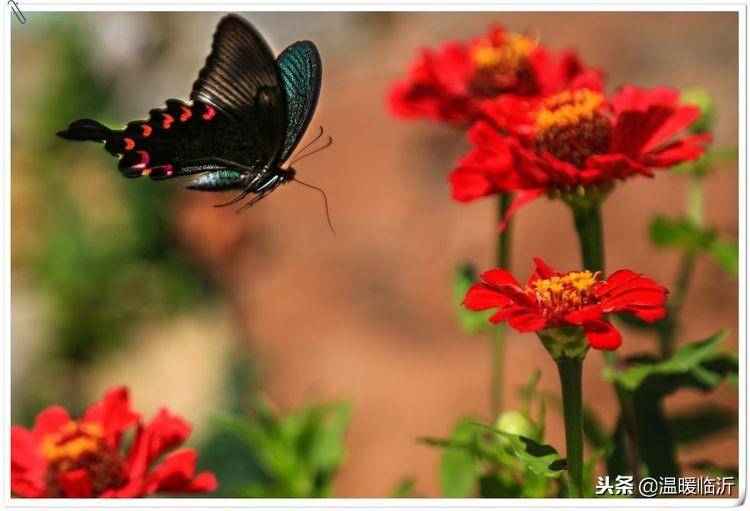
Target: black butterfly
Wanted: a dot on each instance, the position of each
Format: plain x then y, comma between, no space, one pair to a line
248,113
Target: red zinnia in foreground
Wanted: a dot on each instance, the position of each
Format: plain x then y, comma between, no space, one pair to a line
62,457
552,300
449,84
575,141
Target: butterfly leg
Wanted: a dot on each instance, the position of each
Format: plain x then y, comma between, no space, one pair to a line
262,190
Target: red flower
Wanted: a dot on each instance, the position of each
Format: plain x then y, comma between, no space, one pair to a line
576,140
551,299
449,84
62,457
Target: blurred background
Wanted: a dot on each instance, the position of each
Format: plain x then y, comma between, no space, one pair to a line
348,342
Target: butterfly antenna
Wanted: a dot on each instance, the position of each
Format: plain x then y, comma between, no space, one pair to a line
325,201
301,156
317,137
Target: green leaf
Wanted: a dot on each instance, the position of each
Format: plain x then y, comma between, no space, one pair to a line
542,459
695,425
459,468
725,254
691,362
405,488
683,233
471,322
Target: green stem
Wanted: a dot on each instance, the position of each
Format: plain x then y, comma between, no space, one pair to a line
570,370
498,333
587,218
670,325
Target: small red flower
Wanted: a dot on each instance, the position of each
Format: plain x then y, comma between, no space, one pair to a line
573,141
62,457
551,299
450,83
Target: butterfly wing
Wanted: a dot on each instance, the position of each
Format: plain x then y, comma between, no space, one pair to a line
241,79
238,114
301,72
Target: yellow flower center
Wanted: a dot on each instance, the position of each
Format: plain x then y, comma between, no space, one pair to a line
563,293
74,439
501,65
571,126
504,57
81,445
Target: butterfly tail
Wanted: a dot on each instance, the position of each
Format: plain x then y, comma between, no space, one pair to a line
87,129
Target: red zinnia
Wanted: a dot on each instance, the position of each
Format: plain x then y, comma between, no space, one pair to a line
553,300
62,457
449,84
573,141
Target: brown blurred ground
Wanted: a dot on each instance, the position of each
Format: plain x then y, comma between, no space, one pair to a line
367,314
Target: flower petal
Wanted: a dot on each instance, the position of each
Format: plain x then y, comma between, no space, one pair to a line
75,484
584,315
500,277
49,421
602,335
519,201
175,474
113,413
542,271
525,320
482,297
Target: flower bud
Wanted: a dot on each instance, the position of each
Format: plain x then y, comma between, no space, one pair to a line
702,99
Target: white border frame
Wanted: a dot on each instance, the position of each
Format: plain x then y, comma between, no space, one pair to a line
368,503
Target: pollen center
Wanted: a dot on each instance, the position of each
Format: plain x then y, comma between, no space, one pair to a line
564,293
501,64
80,445
571,126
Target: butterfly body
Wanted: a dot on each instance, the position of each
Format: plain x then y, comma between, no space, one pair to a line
246,115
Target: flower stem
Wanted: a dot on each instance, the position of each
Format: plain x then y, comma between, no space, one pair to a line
587,218
498,333
694,213
570,370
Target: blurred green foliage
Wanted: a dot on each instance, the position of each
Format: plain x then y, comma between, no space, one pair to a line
292,455
102,247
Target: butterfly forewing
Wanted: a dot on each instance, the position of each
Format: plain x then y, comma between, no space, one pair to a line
241,79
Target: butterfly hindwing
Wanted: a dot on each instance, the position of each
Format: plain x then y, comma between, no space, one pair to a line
301,72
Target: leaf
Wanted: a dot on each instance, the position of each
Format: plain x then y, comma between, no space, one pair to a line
405,488
459,468
725,254
695,425
683,233
542,459
692,362
471,322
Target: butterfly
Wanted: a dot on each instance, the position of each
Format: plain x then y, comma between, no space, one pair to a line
246,115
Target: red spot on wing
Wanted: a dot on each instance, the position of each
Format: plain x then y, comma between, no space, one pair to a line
129,144
210,113
146,129
145,158
186,113
168,120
